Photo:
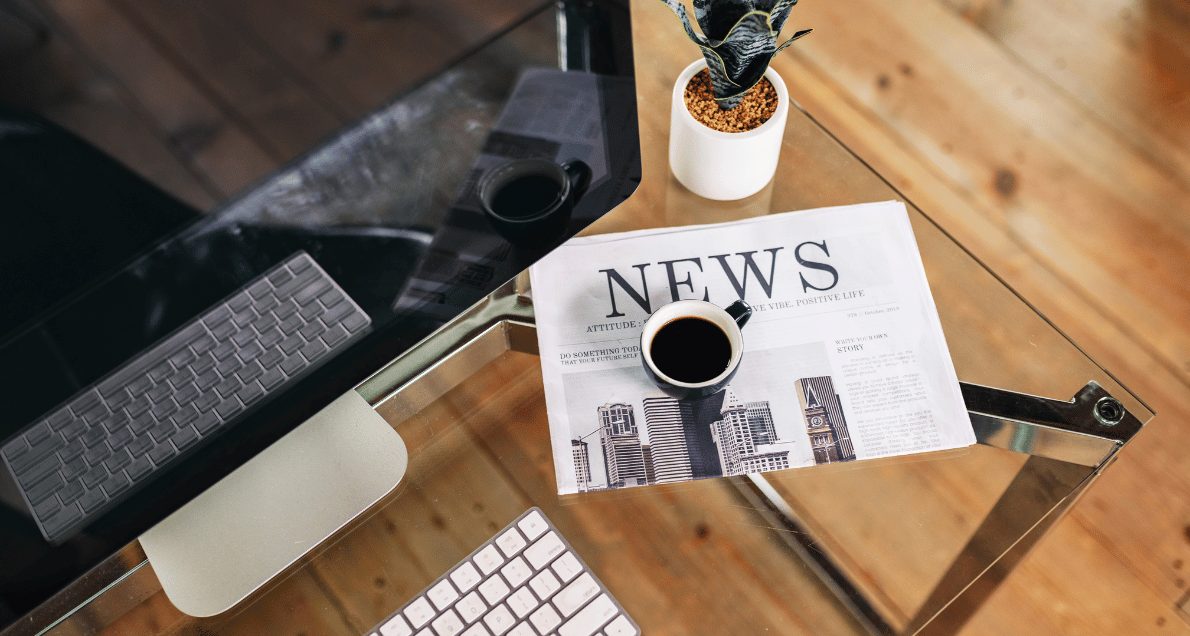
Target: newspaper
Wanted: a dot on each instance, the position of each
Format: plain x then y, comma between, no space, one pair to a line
844,357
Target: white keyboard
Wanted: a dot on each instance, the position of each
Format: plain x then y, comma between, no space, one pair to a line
525,581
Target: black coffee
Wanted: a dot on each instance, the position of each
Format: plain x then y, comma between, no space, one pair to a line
525,196
691,350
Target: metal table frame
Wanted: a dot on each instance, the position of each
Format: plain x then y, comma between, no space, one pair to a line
1069,443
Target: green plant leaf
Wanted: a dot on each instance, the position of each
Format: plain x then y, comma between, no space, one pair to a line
796,36
680,10
745,52
718,17
780,11
738,41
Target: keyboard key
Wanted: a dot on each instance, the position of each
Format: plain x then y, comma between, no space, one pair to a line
620,627
419,612
448,624
93,477
250,392
493,590
522,602
38,452
471,607
206,423
499,620
355,322
532,524
45,488
511,542
65,516
92,500
280,277
489,594
544,550
566,567
119,459
185,415
477,630
116,484
162,454
465,576
185,438
71,492
396,626
72,470
96,456
575,595
314,350
488,559
545,619
591,618
442,594
516,572
294,364
544,584
39,472
139,467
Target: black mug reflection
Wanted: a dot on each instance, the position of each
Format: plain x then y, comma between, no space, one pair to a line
530,201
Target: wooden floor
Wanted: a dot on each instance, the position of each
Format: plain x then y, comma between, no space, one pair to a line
1051,138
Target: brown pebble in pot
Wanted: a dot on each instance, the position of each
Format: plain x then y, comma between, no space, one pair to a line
757,107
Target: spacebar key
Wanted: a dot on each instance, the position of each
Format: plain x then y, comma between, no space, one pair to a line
591,618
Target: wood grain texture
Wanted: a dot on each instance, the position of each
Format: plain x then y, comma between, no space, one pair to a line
1052,139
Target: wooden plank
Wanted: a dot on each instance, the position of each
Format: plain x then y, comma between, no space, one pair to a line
60,83
680,558
217,147
1031,162
298,604
845,106
1154,542
360,53
1082,583
1128,63
246,81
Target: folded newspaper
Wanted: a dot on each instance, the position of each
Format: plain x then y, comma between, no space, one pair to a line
844,357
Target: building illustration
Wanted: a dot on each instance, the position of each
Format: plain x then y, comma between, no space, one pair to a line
667,440
650,473
825,424
620,440
582,464
736,438
711,437
760,421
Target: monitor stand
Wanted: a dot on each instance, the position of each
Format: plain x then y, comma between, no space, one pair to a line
266,515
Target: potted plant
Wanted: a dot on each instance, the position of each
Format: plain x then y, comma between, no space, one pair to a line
729,108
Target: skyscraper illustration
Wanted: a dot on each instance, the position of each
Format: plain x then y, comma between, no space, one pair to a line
734,438
697,416
825,424
650,475
582,464
667,438
760,421
622,452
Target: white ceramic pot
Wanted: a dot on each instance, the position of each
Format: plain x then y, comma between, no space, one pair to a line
721,165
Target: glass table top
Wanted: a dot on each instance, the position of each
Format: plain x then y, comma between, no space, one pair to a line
876,546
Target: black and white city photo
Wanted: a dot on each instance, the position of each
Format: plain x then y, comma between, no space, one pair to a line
781,411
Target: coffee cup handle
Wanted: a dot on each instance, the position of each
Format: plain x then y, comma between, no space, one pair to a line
740,312
579,174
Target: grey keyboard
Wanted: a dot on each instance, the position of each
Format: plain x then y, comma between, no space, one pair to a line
525,581
114,436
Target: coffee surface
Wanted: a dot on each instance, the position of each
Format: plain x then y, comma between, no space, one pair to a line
691,350
525,196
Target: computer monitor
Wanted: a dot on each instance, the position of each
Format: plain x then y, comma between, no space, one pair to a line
384,214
